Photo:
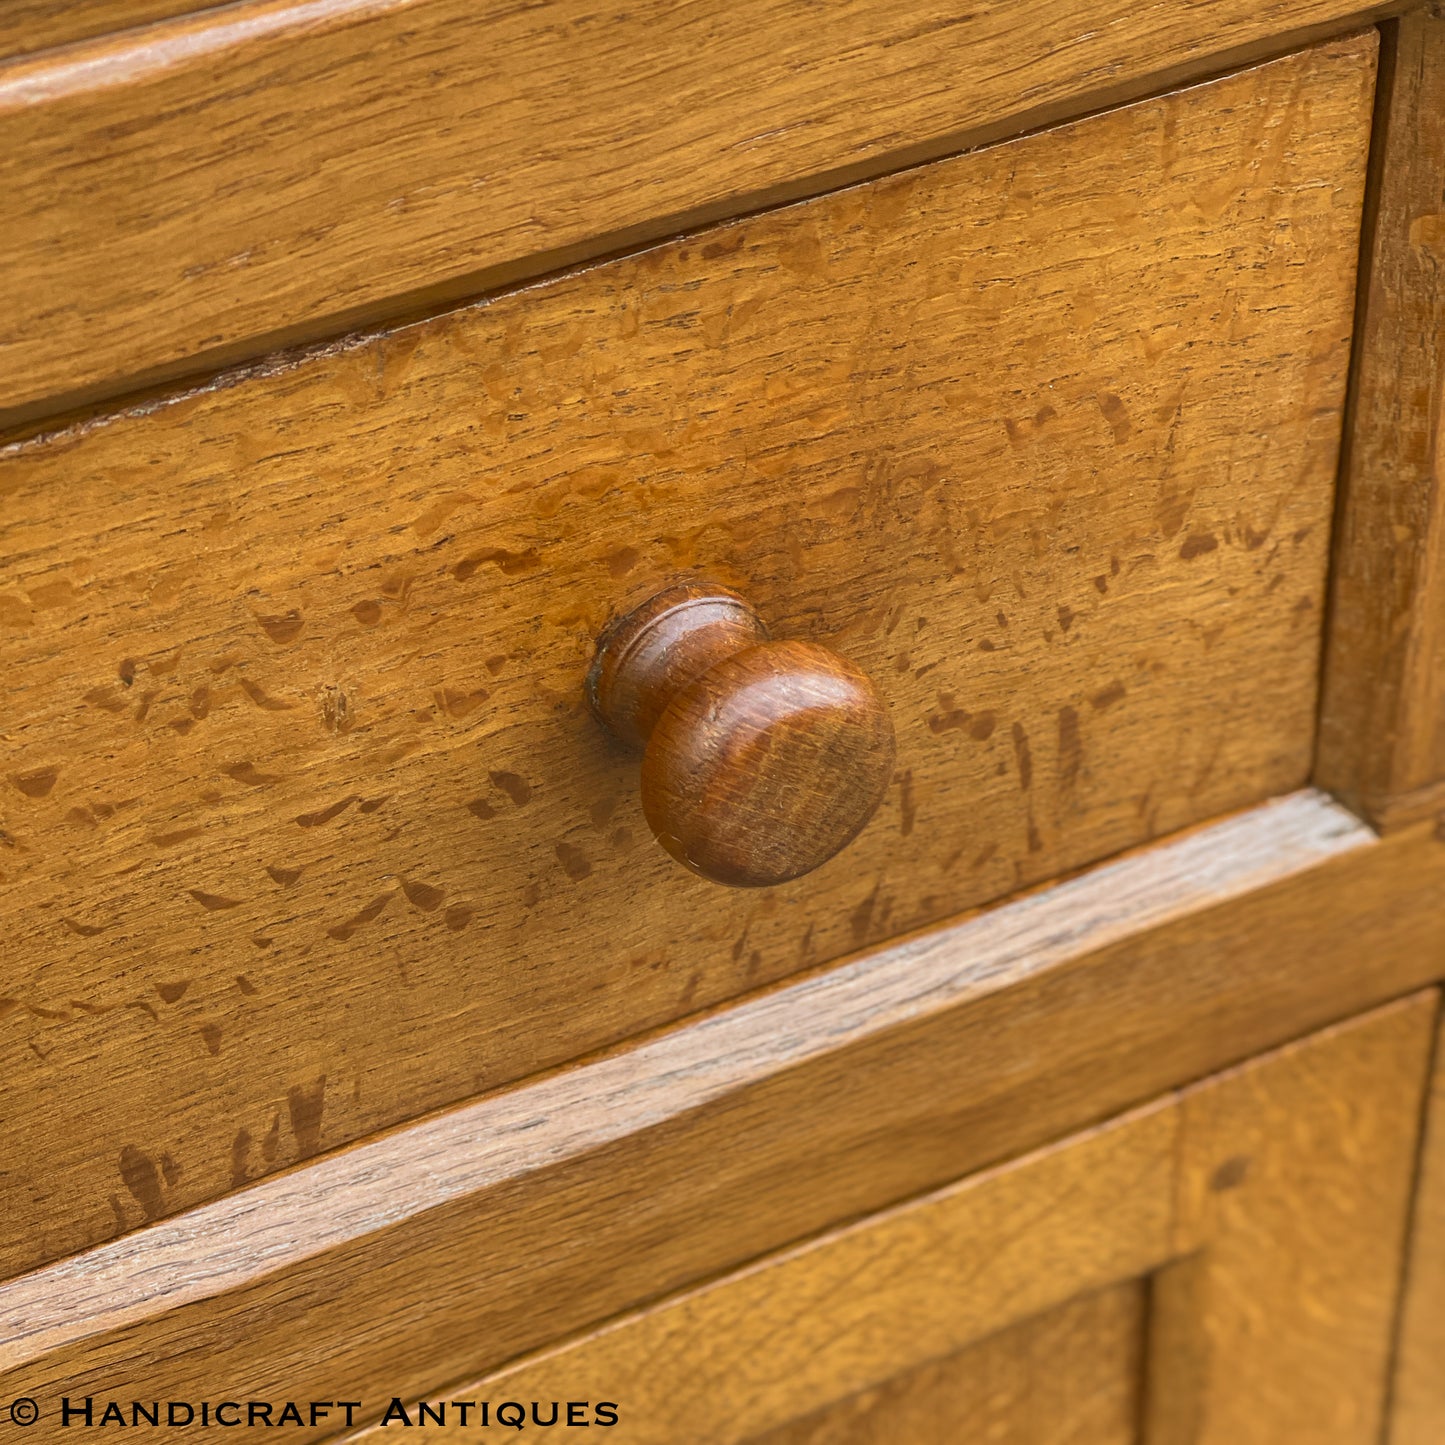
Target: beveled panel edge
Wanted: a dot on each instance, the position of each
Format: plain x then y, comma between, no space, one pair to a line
1116,1202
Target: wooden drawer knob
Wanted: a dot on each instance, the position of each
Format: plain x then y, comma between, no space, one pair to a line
761,759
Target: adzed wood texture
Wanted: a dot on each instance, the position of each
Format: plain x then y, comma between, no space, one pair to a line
459,1243
1275,1198
305,828
208,189
1382,725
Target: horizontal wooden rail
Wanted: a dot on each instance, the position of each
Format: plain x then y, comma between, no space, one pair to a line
190,193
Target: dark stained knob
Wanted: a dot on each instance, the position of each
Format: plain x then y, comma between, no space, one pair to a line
761,759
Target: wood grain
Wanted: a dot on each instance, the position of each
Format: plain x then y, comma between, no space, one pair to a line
226,183
850,1311
30,25
1285,1186
306,827
1382,725
1418,1404
1125,906
530,1215
1068,1377
1294,1187
768,765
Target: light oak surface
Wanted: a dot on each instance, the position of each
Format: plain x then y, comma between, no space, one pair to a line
1382,726
221,184
1274,1324
1418,1416
30,25
1068,1377
1276,1196
311,858
504,1225
306,827
754,1350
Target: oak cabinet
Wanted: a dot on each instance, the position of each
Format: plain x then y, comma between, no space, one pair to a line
313,830
1018,434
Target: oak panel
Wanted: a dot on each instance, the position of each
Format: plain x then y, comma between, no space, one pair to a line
525,1217
852,1310
1275,1325
1069,1377
306,827
229,182
1382,725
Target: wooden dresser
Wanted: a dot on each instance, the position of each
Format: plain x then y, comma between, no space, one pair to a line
723,722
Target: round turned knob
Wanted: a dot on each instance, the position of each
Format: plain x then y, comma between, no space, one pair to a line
761,759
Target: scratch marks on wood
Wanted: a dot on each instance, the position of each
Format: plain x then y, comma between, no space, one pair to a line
575,863
1117,415
979,726
142,1179
1023,755
509,564
517,788
263,699
907,807
425,896
240,1148
84,930
1070,747
285,628
250,775
37,783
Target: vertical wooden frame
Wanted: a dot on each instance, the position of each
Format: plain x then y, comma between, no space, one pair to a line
1382,722
1275,1325
1418,1398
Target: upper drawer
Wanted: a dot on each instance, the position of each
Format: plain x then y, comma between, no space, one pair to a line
180,192
306,827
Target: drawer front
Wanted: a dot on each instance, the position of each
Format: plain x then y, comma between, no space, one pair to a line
306,827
